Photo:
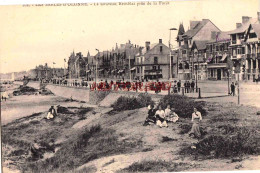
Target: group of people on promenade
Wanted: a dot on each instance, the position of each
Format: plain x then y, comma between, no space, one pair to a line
161,118
187,85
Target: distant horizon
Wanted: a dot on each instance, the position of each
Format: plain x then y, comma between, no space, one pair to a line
32,36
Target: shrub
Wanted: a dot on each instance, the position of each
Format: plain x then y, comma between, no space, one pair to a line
130,103
242,141
144,99
182,104
86,146
156,166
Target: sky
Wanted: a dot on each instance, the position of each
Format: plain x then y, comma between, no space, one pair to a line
35,35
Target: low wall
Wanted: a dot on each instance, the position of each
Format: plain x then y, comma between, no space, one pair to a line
81,94
35,85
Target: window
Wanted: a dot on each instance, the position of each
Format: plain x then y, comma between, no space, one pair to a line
243,50
155,60
160,48
154,67
159,67
171,58
187,66
180,66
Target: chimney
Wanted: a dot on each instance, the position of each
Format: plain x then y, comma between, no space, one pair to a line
205,20
160,40
258,16
245,19
238,25
147,45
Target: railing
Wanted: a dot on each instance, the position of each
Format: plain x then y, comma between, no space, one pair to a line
153,70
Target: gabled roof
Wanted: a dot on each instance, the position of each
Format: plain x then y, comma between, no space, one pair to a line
244,26
256,28
221,37
200,44
193,31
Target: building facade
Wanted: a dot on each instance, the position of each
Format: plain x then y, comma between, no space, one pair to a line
219,64
199,31
117,63
77,66
241,48
152,62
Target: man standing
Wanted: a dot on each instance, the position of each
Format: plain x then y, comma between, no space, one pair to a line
179,85
192,86
188,86
185,86
232,86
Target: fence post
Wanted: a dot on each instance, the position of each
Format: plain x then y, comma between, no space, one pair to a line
182,91
199,94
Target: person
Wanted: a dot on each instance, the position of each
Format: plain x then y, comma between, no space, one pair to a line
167,111
192,85
51,113
185,86
172,117
196,119
188,86
35,150
151,119
179,85
160,118
232,86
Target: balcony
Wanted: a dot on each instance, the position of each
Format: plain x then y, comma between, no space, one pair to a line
217,65
252,40
184,71
153,71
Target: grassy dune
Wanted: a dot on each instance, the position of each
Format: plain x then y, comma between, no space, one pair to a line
117,141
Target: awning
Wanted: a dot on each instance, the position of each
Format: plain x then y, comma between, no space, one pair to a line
87,71
101,70
112,71
120,71
132,68
224,57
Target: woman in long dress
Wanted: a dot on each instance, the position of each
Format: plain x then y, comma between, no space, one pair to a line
196,118
172,117
160,116
151,119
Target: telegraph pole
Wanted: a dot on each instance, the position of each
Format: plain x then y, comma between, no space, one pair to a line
170,76
238,94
